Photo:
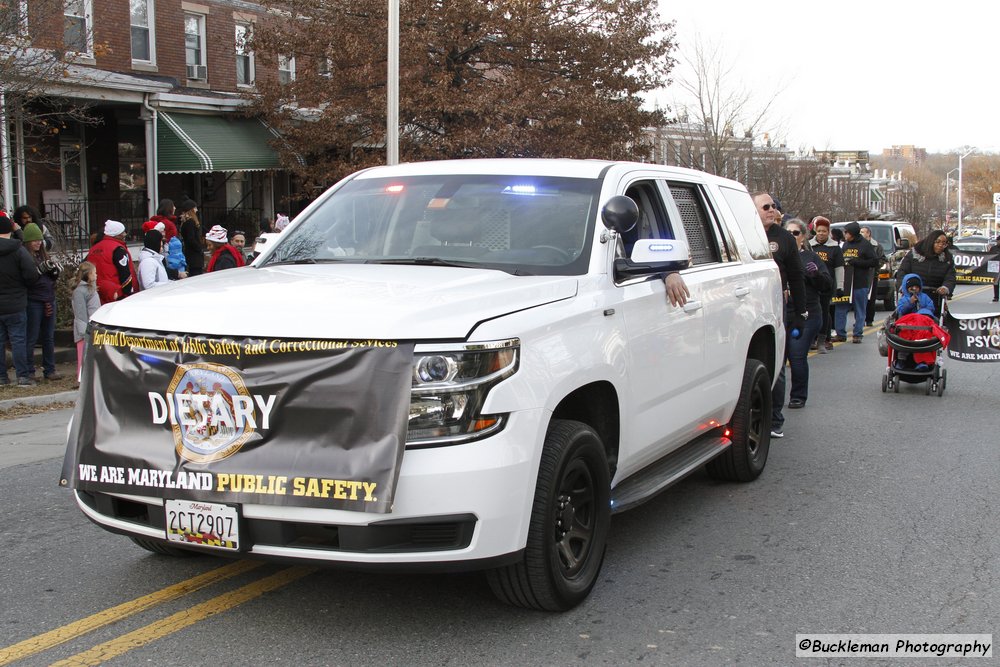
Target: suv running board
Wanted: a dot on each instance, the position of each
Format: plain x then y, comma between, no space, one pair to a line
673,467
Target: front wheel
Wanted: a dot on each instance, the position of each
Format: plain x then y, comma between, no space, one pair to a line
568,531
750,429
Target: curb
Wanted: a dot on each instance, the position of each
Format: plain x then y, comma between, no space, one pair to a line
44,399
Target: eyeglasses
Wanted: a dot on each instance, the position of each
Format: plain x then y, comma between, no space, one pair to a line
795,232
768,207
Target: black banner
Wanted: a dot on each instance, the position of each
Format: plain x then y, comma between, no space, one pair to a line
975,336
973,267
316,423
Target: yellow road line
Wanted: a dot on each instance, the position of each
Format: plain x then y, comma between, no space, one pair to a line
47,640
182,619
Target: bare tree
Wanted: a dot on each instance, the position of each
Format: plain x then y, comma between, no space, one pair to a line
717,117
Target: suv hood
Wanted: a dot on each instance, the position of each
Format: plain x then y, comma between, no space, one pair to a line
334,301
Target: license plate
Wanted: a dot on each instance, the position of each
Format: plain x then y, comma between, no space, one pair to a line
207,524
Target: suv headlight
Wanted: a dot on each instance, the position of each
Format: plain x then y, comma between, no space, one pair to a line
450,385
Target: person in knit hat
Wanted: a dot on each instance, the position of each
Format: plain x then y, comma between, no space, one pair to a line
152,272
41,305
116,278
17,274
224,255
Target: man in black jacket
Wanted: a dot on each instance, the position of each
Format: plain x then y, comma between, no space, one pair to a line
873,290
17,273
859,260
785,251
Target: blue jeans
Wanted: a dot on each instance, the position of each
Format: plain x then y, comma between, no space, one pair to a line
859,304
796,354
41,327
13,327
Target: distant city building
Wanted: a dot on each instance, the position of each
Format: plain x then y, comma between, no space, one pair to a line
911,154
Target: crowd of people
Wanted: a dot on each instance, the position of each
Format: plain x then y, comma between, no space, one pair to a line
813,276
174,247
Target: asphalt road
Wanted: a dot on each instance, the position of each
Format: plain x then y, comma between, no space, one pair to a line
877,513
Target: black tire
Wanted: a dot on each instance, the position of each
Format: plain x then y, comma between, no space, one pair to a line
885,382
560,566
895,386
750,429
162,548
928,387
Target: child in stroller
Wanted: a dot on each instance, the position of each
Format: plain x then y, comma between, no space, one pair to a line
915,340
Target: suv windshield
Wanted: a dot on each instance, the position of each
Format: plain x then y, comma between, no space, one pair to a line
522,225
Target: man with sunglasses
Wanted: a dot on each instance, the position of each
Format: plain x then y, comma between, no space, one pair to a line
785,251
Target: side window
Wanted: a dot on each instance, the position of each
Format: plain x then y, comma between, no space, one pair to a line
745,213
653,222
698,225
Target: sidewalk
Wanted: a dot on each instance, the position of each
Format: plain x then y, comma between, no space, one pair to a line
46,391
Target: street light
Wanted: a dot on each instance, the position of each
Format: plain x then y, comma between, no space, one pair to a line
392,88
960,158
947,187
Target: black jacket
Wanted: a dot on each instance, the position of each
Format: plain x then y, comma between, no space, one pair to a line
860,256
17,273
785,252
934,271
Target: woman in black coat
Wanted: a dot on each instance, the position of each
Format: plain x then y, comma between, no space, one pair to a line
931,260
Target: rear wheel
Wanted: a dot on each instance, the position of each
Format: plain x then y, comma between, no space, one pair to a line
162,548
568,531
750,429
928,387
885,382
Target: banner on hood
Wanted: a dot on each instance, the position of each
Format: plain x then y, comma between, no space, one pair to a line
975,336
973,267
315,423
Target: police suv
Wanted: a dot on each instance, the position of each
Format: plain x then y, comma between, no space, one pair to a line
458,365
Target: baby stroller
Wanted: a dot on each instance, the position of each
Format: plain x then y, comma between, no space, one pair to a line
916,351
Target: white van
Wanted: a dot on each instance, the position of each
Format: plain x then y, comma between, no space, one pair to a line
454,365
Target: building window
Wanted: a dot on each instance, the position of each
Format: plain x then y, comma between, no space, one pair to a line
244,56
78,26
194,46
286,69
142,30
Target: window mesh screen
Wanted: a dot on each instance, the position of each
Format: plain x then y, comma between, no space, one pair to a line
696,224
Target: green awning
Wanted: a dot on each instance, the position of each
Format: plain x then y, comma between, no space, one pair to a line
190,143
875,195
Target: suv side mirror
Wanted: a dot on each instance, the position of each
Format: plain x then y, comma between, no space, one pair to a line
652,256
620,214
903,244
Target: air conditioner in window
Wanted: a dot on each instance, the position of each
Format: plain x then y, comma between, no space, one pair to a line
197,72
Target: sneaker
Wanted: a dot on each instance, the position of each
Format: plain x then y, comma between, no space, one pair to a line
814,346
54,376
824,347
869,324
776,432
994,300
855,339
26,382
796,403
839,339
829,344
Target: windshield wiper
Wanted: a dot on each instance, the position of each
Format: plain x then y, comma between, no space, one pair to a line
426,261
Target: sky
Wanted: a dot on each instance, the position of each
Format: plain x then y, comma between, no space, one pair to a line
853,75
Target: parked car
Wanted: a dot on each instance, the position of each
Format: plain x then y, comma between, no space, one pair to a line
895,237
975,243
453,365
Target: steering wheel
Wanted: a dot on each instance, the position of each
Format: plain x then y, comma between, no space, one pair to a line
561,254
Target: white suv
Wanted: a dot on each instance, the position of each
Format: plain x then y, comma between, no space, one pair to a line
460,364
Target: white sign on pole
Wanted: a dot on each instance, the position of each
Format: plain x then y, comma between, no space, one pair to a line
996,198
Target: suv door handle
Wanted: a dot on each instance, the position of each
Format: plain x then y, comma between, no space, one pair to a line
741,291
692,306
